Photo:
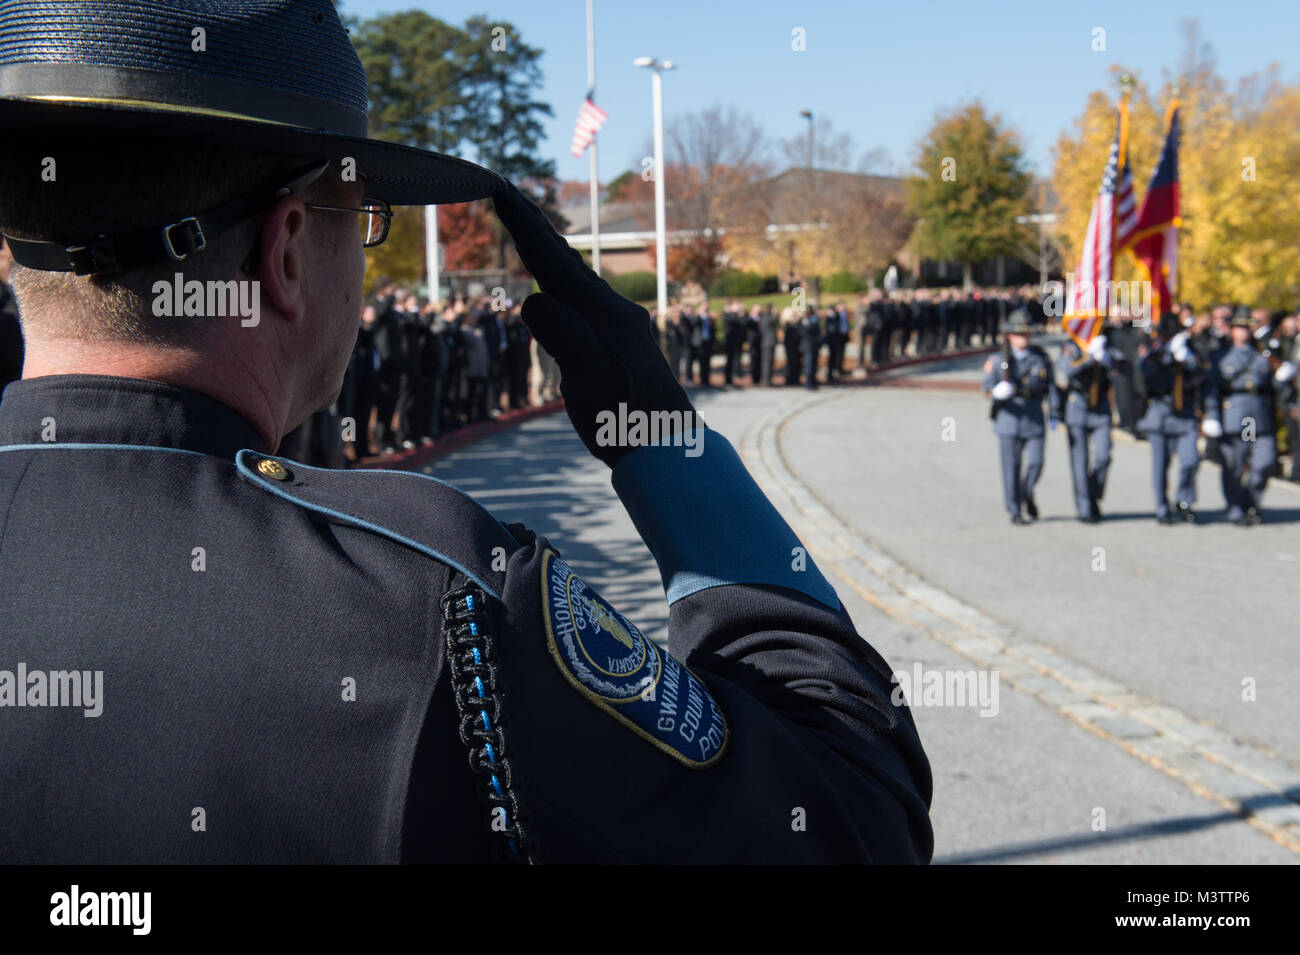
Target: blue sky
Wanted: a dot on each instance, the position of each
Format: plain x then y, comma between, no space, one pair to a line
878,71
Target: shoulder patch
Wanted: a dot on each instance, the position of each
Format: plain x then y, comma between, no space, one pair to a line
608,660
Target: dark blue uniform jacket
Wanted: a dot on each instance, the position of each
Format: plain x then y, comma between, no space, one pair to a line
305,665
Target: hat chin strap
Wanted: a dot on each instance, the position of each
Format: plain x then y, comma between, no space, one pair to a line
177,241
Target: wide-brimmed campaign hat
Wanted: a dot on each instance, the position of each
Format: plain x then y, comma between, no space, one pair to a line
275,76
1019,322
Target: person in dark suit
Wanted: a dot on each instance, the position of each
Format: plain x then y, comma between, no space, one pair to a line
767,338
365,383
754,342
492,321
518,343
680,330
810,346
703,339
792,341
362,666
733,340
391,344
426,380
877,328
693,343
837,336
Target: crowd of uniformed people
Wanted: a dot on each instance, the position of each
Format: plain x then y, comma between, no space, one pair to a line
1190,387
881,327
422,369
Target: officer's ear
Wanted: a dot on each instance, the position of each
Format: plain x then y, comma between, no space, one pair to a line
283,260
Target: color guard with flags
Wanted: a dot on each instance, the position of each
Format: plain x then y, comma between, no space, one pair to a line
590,118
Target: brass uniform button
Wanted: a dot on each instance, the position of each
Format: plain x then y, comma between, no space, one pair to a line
272,469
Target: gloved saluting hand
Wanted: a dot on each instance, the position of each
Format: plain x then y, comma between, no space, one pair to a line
601,341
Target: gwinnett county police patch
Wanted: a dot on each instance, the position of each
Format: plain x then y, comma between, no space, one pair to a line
608,661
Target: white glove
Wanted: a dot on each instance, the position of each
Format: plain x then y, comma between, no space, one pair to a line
1285,372
1211,428
1178,347
1097,348
1003,390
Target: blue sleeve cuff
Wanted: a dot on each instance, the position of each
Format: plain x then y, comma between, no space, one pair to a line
707,523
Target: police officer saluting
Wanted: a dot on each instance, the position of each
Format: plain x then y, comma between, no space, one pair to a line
1085,376
1177,384
1245,384
301,664
1018,380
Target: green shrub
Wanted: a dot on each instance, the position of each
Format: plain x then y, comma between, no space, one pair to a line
735,284
638,286
842,282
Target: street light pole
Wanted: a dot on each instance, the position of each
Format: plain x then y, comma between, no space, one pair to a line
595,165
431,269
812,183
661,233
808,115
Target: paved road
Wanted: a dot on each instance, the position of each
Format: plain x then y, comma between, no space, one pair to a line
1120,690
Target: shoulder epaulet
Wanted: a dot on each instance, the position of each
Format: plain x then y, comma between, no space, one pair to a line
415,510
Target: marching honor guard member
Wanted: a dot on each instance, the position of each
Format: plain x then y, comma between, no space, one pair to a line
1085,397
300,664
1245,383
1177,383
1018,380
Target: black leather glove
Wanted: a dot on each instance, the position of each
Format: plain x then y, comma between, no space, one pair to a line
603,343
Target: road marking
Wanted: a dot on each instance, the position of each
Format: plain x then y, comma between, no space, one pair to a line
1250,781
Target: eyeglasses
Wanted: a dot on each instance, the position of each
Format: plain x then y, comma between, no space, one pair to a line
374,218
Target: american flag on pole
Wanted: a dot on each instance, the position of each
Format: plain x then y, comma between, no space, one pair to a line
590,118
1111,225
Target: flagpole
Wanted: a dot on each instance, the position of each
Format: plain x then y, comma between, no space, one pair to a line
1174,103
595,167
431,250
1125,87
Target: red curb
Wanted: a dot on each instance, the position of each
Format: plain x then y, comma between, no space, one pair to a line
928,385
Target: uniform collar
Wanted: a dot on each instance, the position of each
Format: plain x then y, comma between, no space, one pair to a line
103,409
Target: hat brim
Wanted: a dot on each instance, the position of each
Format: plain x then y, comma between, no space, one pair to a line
400,175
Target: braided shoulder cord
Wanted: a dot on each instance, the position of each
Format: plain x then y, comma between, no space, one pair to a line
472,661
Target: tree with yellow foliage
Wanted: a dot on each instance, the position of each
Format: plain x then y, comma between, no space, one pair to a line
1238,154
